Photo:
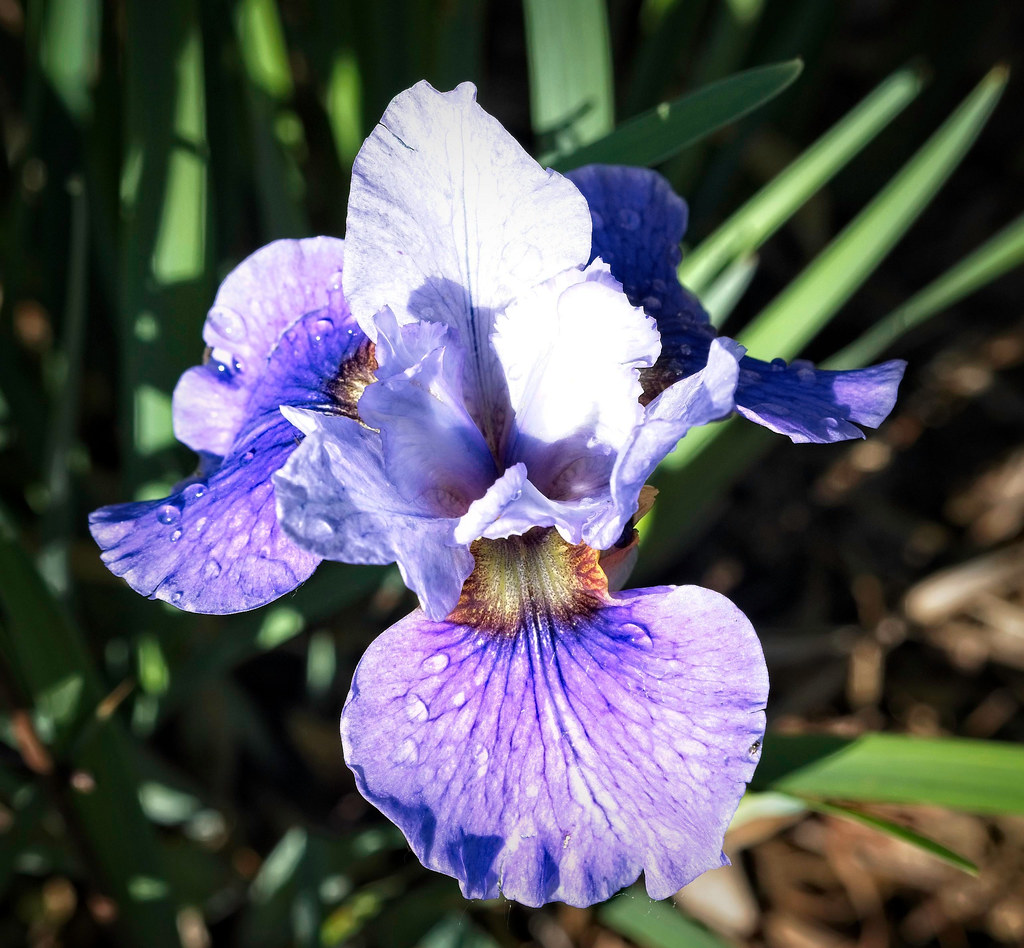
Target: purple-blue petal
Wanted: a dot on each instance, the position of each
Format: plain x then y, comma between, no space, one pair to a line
214,545
557,761
258,300
639,222
334,498
816,405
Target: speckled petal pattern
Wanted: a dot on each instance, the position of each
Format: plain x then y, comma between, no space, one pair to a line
557,762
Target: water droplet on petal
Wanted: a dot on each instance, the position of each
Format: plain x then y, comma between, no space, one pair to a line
778,365
459,699
194,492
212,570
168,514
264,552
201,523
651,303
629,219
175,536
658,285
226,323
176,596
480,755
804,370
248,456
638,635
406,752
435,663
416,708
334,283
324,326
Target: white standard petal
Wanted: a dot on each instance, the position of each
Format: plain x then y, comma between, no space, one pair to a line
571,350
449,219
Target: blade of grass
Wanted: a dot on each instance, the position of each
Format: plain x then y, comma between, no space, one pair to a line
672,126
776,202
570,95
654,924
70,53
48,658
795,316
896,831
276,130
998,255
728,289
971,775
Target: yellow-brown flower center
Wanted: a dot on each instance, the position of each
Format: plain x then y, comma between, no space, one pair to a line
532,581
353,375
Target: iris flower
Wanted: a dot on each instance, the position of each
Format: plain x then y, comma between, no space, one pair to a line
476,386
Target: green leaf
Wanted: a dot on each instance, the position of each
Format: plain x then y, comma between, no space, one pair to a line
896,831
991,260
795,316
778,200
654,924
570,95
672,126
975,776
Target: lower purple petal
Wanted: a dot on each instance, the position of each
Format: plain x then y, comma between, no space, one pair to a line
558,760
816,405
214,545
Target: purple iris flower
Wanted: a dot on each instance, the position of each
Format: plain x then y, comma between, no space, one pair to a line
479,392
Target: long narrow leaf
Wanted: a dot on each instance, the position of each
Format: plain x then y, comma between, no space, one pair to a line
795,316
970,775
673,126
777,201
570,95
896,831
991,260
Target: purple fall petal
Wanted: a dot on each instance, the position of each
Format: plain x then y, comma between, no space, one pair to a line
215,545
817,405
264,295
334,498
557,761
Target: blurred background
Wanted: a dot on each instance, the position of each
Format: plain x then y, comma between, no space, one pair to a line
171,779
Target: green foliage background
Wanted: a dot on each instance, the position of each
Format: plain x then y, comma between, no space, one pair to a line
179,775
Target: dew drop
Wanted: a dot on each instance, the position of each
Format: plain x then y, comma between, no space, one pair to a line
168,514
480,753
651,303
629,219
212,570
334,283
176,596
406,752
804,370
248,456
324,326
638,635
226,323
194,492
435,663
264,553
778,365
459,699
201,524
658,285
175,536
416,708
